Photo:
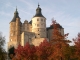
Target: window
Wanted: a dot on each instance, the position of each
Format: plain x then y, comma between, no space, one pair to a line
38,19
38,34
44,20
37,24
41,19
41,24
35,36
38,29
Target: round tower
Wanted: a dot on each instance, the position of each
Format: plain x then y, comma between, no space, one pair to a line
39,24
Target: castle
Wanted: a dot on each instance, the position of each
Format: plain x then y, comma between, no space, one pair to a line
33,32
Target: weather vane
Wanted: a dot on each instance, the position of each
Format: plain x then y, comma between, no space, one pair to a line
38,5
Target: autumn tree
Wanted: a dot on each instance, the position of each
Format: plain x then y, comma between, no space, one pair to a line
77,46
29,52
44,51
25,53
2,50
60,43
72,53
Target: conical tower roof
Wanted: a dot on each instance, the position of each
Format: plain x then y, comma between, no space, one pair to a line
16,15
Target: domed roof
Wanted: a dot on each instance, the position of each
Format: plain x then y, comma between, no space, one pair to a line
38,12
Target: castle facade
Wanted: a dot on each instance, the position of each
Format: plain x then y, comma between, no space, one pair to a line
33,32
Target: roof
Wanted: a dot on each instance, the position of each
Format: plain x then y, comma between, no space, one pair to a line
38,12
30,22
52,27
16,15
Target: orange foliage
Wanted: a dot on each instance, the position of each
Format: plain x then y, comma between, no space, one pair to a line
59,42
77,46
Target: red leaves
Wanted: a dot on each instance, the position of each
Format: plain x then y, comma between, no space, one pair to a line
25,52
77,45
43,51
56,49
59,42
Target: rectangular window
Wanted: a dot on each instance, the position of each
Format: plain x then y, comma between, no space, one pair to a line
41,19
37,24
41,24
38,29
38,19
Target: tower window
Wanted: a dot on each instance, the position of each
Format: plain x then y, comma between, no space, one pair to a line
38,19
38,29
44,20
38,34
41,24
41,19
37,24
35,36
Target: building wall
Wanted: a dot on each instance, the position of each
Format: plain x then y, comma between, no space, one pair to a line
37,41
26,27
27,37
39,27
50,33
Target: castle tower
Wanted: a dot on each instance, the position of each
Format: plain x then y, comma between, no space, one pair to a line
15,30
39,24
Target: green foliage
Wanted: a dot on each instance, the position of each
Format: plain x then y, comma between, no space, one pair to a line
11,52
2,50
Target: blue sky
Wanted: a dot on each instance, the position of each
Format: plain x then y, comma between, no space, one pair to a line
65,12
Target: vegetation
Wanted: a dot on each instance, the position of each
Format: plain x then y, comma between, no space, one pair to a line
2,50
11,52
57,49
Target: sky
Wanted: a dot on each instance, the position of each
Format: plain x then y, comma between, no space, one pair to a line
65,12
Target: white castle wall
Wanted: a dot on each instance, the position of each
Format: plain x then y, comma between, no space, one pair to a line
39,27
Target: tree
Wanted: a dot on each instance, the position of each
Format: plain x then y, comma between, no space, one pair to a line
77,46
60,43
28,52
72,53
44,50
25,53
2,51
11,52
